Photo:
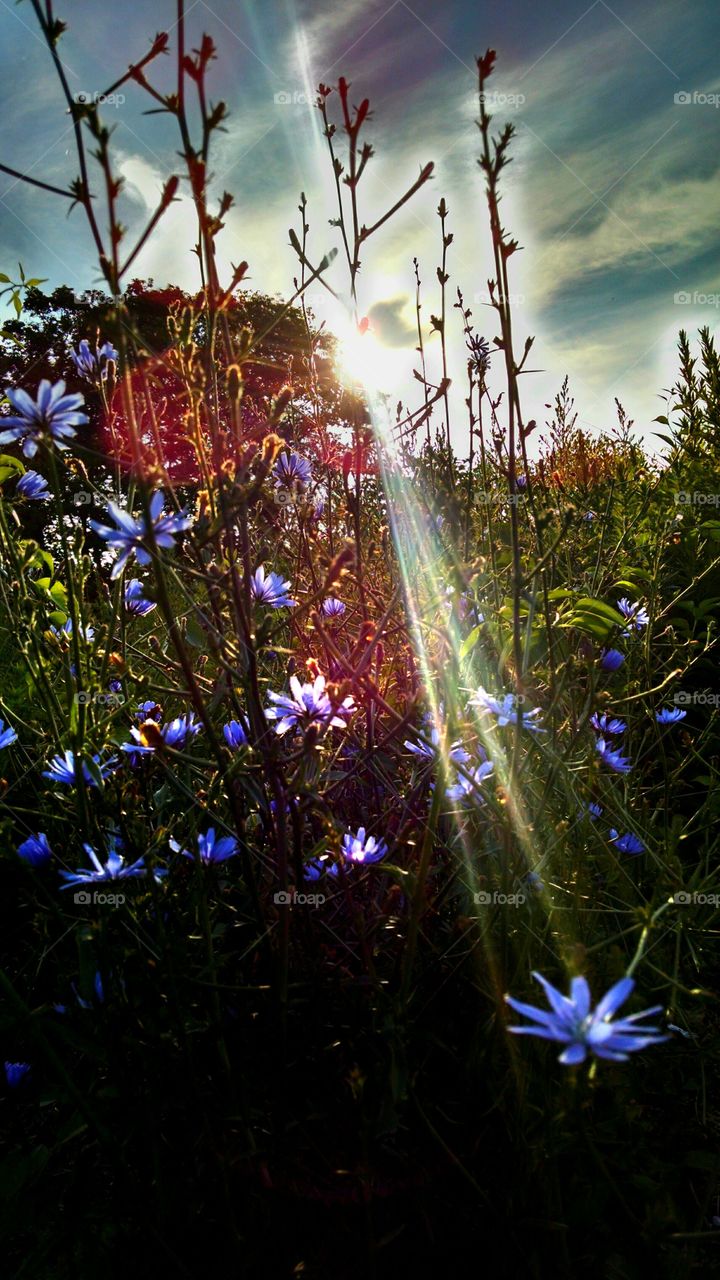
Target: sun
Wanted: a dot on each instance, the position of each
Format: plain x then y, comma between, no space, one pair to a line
362,359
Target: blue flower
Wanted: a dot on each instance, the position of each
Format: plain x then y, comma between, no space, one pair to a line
113,869
35,850
89,363
613,759
333,608
149,711
572,1022
32,487
670,715
606,724
179,730
7,736
291,469
62,769
480,351
270,589
507,711
592,811
362,848
132,536
66,630
611,659
426,751
466,790
236,734
635,613
627,843
309,705
210,849
16,1072
51,418
149,737
135,601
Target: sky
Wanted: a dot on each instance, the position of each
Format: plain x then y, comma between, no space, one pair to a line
613,191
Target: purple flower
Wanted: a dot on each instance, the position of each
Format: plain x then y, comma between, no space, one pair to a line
466,790
62,769
291,469
32,487
362,848
507,711
309,705
606,724
333,608
113,869
135,601
7,736
91,364
613,759
270,589
627,843
635,613
670,715
16,1072
51,418
210,849
35,850
237,734
132,536
611,659
572,1022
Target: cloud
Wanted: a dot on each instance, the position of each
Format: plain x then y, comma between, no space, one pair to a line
390,324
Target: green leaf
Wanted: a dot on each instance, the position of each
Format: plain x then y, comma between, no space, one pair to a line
469,642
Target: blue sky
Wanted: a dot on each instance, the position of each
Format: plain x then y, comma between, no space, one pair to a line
613,191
